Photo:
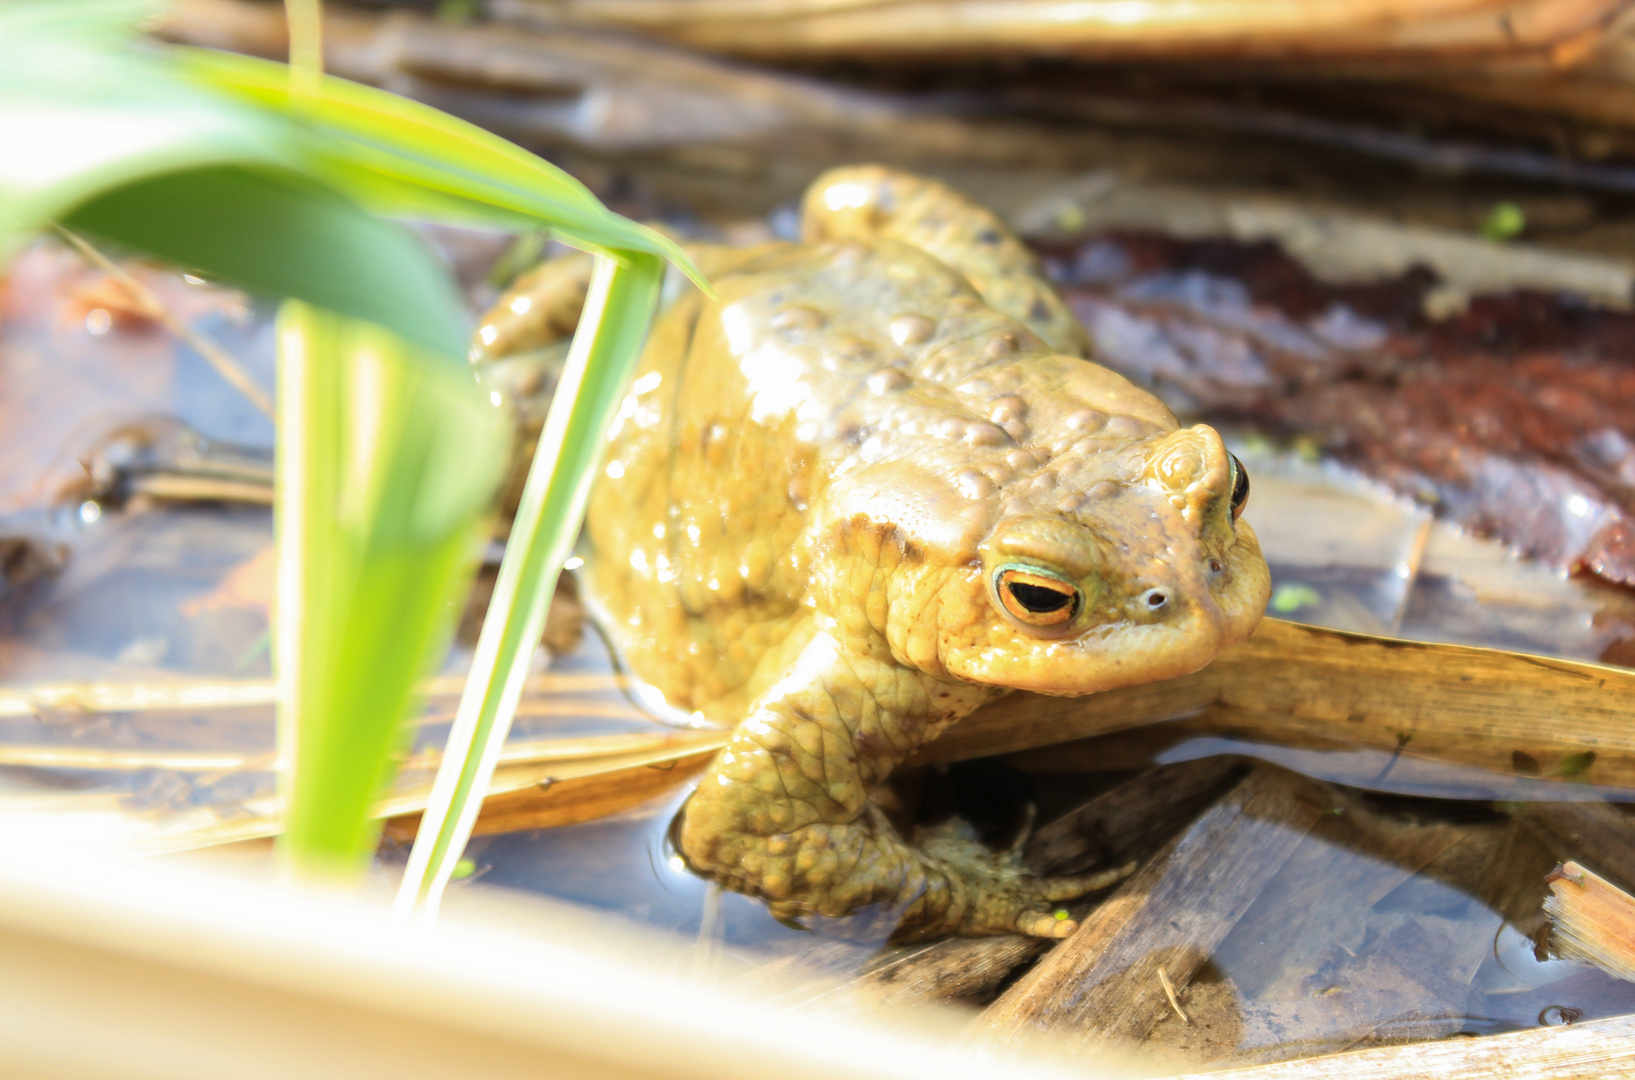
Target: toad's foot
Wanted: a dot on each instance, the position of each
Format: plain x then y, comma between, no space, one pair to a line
1006,898
954,886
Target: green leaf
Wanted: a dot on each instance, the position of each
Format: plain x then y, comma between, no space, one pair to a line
401,157
110,143
386,462
272,233
76,121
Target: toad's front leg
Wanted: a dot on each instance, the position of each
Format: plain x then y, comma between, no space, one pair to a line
783,812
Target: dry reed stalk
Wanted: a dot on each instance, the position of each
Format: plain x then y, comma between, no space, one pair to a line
1509,713
178,695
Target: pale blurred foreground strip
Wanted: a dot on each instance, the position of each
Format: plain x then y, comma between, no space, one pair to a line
113,970
1596,1050
117,970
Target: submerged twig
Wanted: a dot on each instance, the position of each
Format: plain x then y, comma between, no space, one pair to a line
214,355
1169,992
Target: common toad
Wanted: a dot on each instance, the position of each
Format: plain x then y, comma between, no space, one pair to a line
871,487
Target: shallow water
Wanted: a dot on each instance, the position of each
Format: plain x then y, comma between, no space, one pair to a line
136,593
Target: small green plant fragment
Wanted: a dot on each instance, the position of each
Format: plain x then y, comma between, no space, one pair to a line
1061,914
1574,766
464,869
1505,221
1291,596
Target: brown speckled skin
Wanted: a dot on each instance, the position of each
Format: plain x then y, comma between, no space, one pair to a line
806,497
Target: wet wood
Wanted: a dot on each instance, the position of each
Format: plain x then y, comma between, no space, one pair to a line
1522,719
1395,969
1101,985
613,94
1316,907
1172,29
1124,823
1338,246
1512,714
1592,919
1595,1050
524,794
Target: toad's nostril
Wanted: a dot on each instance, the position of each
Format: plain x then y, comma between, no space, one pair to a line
1215,566
1155,598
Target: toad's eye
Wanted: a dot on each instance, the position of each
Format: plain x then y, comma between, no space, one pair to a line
1240,486
1036,598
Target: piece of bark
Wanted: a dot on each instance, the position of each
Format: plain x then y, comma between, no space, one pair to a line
1596,1050
1102,983
1131,819
1118,825
1426,34
1592,919
1596,833
1318,904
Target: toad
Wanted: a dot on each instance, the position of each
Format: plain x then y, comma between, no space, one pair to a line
874,485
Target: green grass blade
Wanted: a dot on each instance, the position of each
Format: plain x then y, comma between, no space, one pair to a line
604,353
385,463
399,156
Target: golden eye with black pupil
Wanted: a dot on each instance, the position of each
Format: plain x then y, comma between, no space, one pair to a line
1036,598
1240,486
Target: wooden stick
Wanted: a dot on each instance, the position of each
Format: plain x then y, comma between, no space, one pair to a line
217,357
1596,1050
1102,982
1592,919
